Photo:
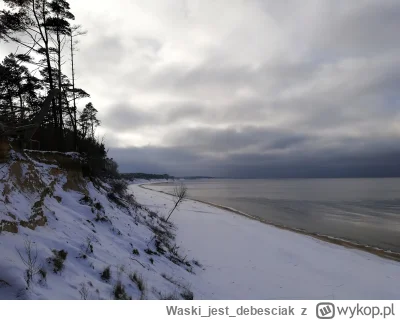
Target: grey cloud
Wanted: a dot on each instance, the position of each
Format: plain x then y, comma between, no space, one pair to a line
182,111
103,54
151,43
233,140
327,105
366,28
343,163
128,117
155,159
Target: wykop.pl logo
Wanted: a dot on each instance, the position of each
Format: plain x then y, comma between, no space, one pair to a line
325,310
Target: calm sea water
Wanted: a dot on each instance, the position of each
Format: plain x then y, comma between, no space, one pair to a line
365,211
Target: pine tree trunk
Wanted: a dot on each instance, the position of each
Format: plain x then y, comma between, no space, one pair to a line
74,96
60,109
21,103
48,62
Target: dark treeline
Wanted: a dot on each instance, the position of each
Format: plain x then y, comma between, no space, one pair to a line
146,176
45,45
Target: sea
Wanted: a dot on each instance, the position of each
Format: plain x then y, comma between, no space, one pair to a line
364,211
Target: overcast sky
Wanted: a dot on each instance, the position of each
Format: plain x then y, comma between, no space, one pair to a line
245,88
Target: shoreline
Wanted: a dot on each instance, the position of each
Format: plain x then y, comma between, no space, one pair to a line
394,256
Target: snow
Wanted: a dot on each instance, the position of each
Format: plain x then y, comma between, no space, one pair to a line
247,259
225,255
70,223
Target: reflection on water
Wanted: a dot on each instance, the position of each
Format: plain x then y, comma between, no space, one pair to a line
362,210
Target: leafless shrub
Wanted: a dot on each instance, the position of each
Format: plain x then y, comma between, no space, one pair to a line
119,187
30,260
102,218
130,198
176,282
84,291
187,294
43,276
138,279
86,248
179,194
174,250
136,219
89,245
165,296
170,279
120,271
163,233
119,292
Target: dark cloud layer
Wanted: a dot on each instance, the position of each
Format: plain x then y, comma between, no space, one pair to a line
280,156
180,162
327,105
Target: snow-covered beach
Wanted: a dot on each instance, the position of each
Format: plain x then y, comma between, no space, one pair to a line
247,259
77,230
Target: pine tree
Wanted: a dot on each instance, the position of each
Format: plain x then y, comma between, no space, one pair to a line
25,23
88,121
59,25
14,83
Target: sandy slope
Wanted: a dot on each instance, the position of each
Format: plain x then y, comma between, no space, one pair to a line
45,204
246,259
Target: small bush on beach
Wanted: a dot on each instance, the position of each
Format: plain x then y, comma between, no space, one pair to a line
119,187
43,275
187,294
86,200
101,218
89,245
150,252
119,292
159,247
138,279
106,274
197,263
98,206
58,260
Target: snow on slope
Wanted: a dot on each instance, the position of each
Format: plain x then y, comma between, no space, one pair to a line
247,259
57,209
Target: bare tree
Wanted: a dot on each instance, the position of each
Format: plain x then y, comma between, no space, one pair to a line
84,291
30,261
179,194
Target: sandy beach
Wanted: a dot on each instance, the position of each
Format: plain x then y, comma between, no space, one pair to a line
246,259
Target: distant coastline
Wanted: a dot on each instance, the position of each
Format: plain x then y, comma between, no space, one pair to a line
155,176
